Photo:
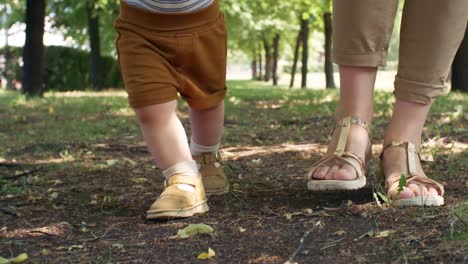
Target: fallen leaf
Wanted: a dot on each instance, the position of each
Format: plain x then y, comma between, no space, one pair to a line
130,161
308,211
112,162
290,215
384,233
339,233
377,234
139,180
320,224
242,230
256,161
4,260
54,195
70,248
235,186
118,245
207,255
369,234
83,227
194,229
46,252
57,182
20,259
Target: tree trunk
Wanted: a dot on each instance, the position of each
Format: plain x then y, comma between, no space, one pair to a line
460,67
260,65
9,65
329,81
276,41
305,51
33,51
253,65
95,75
268,60
296,56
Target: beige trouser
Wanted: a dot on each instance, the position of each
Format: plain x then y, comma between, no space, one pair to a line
431,32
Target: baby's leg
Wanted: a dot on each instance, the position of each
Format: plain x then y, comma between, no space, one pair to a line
207,125
164,134
207,129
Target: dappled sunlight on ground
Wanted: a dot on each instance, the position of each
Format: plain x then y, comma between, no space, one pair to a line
76,180
57,229
246,151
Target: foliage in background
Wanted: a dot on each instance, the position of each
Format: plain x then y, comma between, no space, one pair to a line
73,73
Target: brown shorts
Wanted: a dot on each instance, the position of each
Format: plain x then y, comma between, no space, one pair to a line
161,55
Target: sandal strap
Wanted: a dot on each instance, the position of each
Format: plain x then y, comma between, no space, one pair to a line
345,125
181,179
410,154
351,158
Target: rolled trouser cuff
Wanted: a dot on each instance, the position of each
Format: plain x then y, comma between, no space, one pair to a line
416,92
368,59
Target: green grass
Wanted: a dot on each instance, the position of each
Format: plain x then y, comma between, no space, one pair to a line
460,228
61,118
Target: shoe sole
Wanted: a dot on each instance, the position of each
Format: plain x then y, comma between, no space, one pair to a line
419,201
217,192
179,213
334,185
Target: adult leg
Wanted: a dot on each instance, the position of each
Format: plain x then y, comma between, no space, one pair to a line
431,32
362,30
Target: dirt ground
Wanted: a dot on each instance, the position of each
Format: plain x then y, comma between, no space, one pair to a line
76,212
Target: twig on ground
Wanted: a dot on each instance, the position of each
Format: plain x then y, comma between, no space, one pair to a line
15,164
11,177
332,243
8,211
459,218
301,244
96,238
48,234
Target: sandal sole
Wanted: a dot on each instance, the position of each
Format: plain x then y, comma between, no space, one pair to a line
178,213
217,192
334,185
419,201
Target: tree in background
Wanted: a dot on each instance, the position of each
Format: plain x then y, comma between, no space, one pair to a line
308,12
328,31
91,22
95,65
276,41
295,58
460,66
256,30
33,51
11,12
305,49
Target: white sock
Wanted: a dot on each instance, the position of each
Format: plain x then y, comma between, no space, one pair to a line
198,149
186,168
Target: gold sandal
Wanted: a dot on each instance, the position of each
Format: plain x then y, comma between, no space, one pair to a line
350,158
393,183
